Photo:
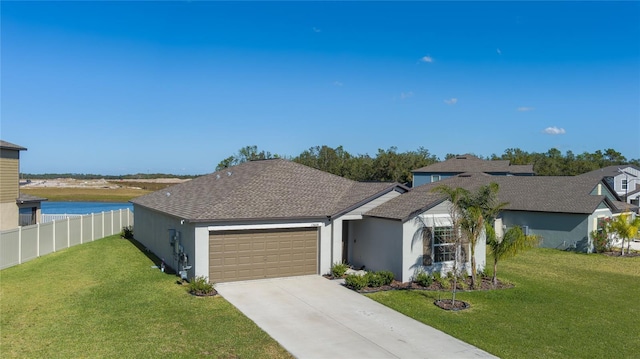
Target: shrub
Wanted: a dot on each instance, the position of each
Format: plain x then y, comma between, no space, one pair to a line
127,232
387,277
339,269
200,286
423,279
462,282
444,282
373,279
355,281
601,241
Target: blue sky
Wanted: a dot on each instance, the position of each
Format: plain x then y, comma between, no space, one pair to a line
175,87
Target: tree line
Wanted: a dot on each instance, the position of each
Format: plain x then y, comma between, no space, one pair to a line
392,166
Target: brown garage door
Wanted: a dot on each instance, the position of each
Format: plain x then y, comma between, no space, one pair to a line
263,253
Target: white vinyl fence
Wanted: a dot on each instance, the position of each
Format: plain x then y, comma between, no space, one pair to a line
26,243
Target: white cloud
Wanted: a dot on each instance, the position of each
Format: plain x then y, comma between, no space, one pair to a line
451,101
499,51
315,29
427,59
406,95
337,83
525,109
554,130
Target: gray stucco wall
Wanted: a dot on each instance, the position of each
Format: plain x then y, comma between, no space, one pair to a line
377,245
152,229
557,230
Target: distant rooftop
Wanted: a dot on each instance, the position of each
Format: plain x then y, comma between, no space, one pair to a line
471,163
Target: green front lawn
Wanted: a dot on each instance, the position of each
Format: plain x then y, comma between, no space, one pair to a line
564,305
103,299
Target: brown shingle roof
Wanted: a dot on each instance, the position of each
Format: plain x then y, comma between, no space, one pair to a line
566,194
470,163
268,189
11,146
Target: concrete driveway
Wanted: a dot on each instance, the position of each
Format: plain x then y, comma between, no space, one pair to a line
313,317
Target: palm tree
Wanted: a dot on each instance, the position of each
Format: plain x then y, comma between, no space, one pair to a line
626,228
456,196
512,242
472,211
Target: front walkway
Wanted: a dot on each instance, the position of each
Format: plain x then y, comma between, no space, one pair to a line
313,317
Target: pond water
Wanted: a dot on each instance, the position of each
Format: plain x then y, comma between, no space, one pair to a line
83,207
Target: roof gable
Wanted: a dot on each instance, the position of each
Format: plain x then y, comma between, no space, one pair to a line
268,189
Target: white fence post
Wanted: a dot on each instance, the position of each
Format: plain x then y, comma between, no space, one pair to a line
20,245
38,239
68,232
81,229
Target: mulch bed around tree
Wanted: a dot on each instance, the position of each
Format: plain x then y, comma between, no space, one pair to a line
448,304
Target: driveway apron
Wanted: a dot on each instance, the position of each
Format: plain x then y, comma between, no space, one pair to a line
313,317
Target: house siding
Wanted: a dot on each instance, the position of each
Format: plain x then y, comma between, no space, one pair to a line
556,230
9,190
377,245
412,253
423,178
9,168
153,230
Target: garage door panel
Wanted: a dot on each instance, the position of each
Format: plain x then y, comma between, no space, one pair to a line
255,254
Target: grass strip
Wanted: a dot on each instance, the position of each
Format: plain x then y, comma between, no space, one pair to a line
62,194
104,299
564,305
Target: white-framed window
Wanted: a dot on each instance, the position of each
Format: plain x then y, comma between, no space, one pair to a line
438,245
435,178
625,184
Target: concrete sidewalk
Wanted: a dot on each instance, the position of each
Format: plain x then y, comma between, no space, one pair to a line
313,317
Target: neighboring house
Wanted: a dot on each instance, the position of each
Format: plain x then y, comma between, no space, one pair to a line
15,209
467,163
260,219
561,210
624,179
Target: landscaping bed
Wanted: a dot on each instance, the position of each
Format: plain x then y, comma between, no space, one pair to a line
484,284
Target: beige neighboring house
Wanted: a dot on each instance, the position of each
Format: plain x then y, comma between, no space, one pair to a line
15,209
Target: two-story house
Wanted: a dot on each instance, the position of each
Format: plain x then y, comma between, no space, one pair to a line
624,179
468,163
15,209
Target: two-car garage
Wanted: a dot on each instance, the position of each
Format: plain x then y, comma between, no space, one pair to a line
262,253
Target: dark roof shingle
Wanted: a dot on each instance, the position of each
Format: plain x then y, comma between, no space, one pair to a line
470,163
559,194
268,189
11,146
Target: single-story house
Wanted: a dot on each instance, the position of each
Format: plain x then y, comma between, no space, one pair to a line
561,210
263,219
467,163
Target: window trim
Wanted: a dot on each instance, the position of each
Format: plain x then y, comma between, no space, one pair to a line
435,178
